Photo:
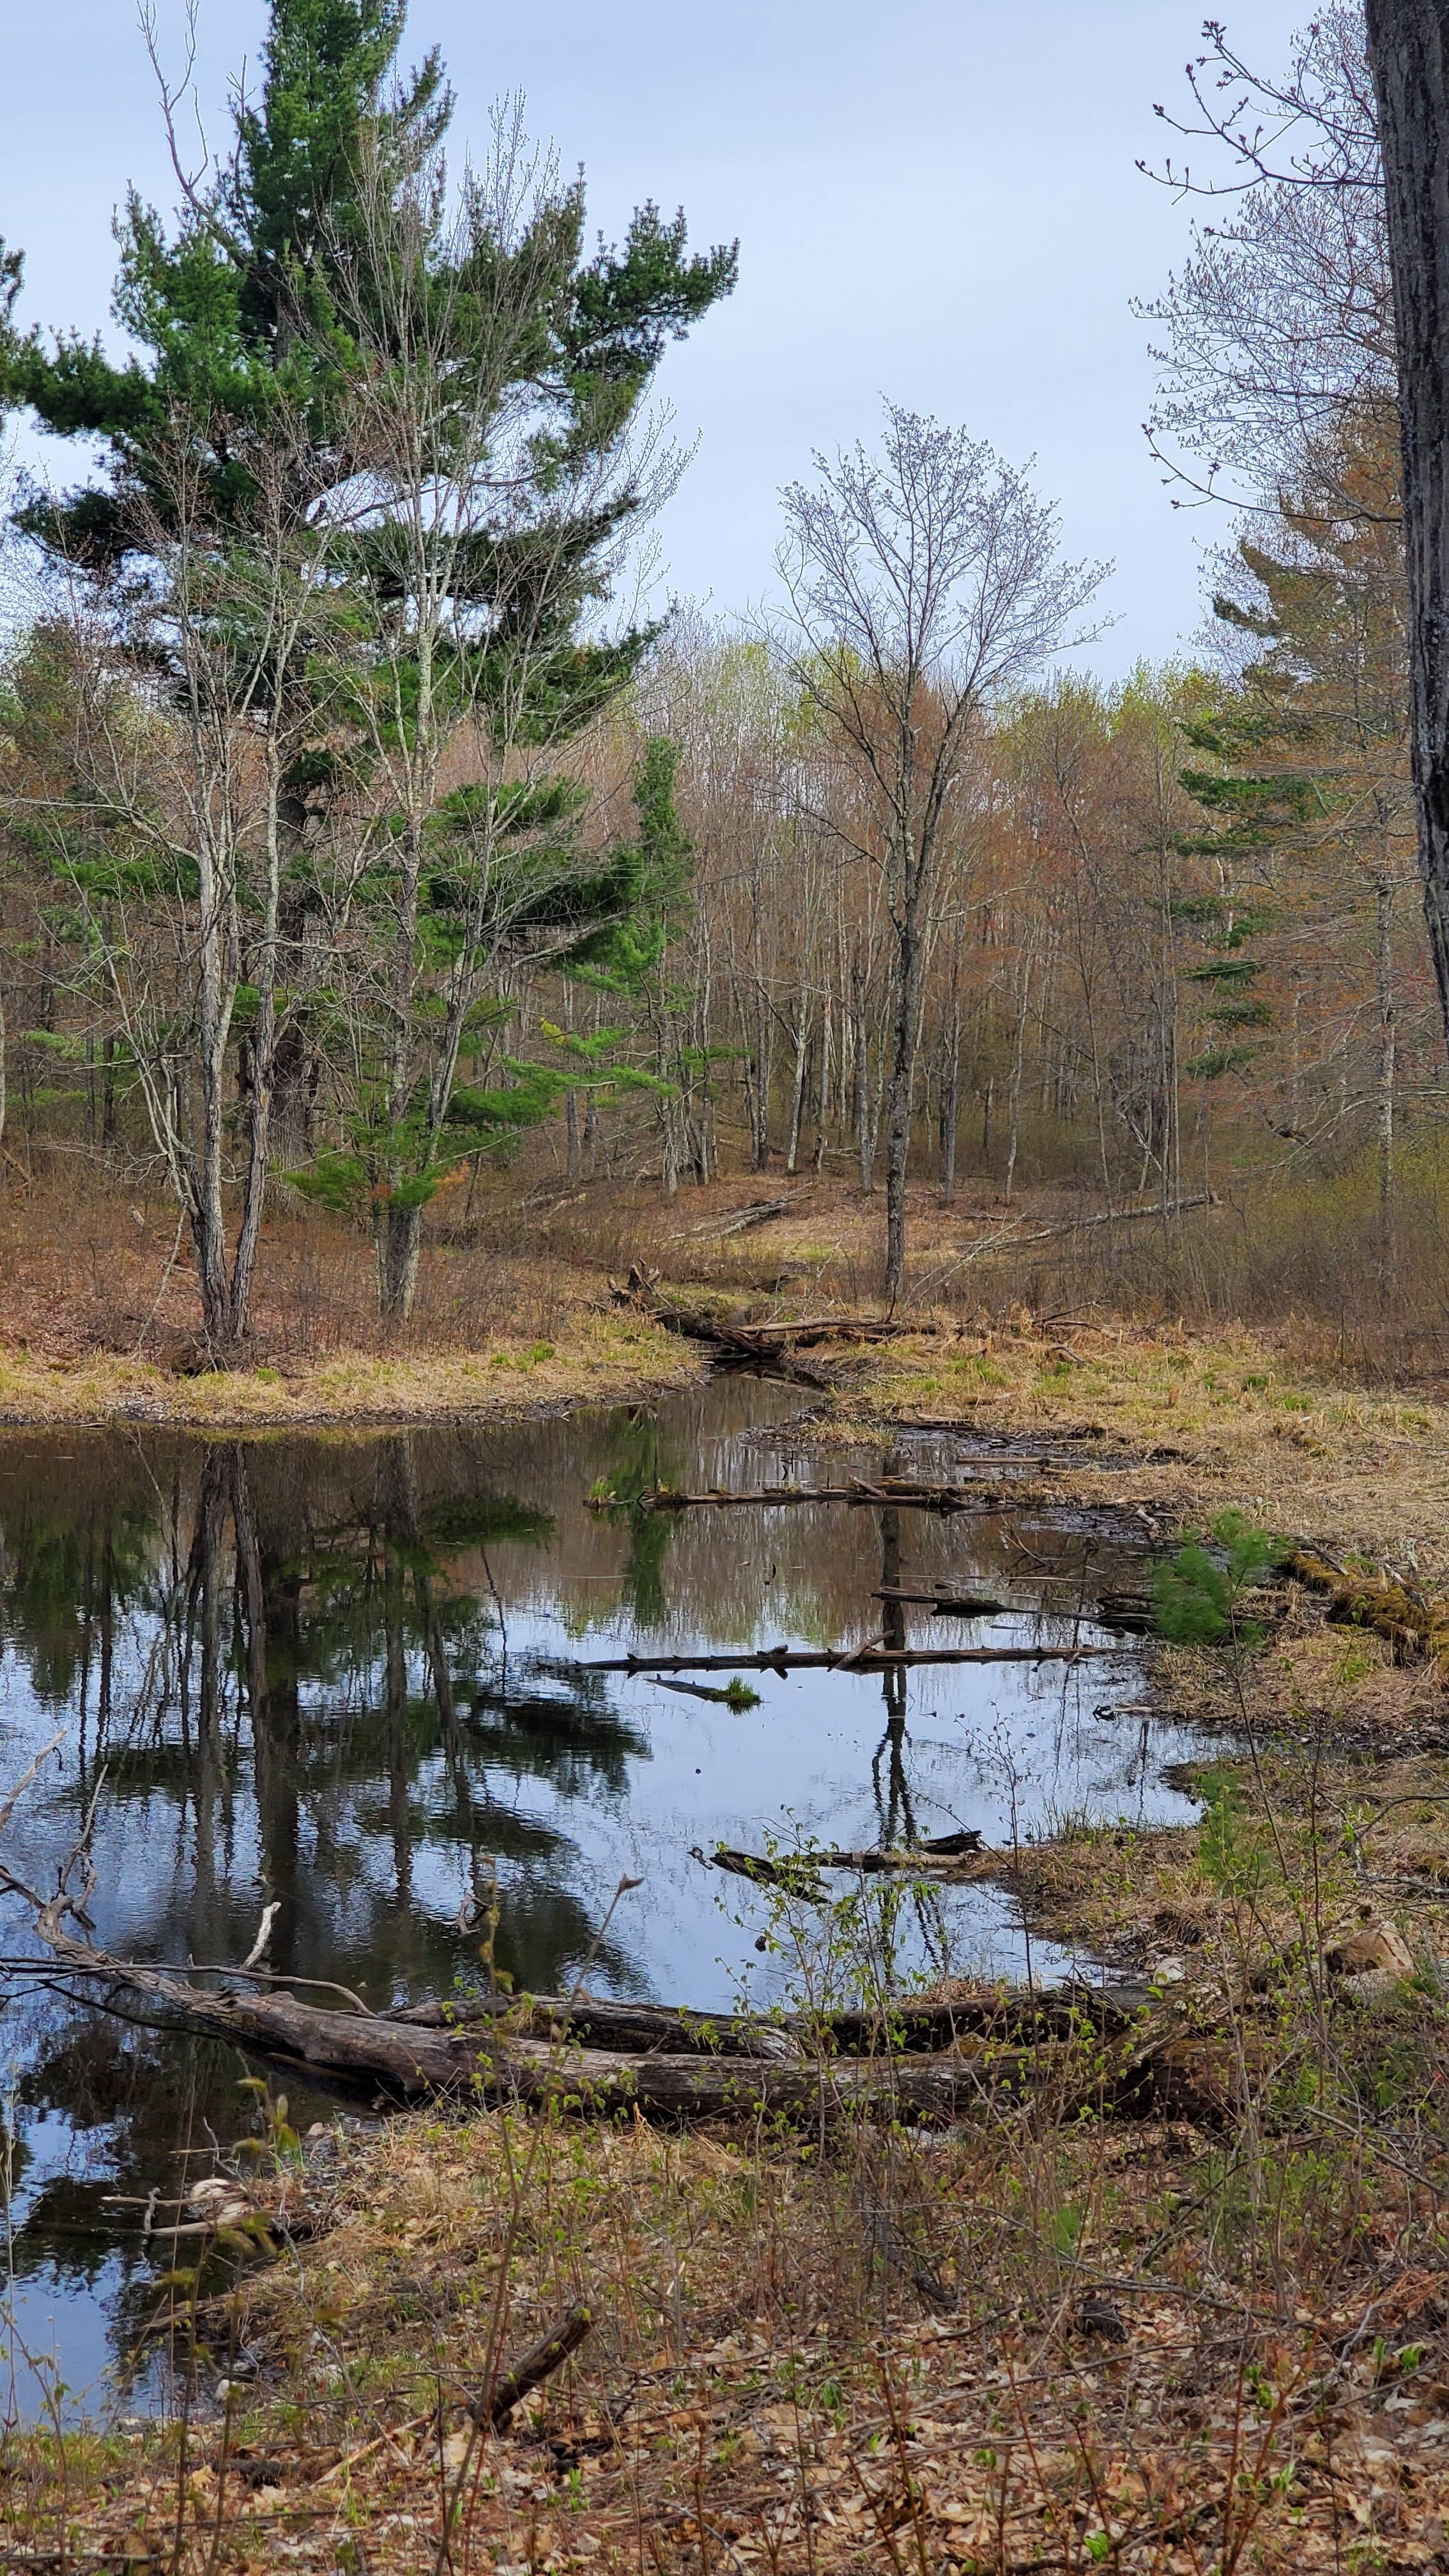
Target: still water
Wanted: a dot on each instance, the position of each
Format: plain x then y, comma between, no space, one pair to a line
345,1675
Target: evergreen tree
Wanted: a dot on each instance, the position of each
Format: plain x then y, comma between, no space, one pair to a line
432,391
1313,765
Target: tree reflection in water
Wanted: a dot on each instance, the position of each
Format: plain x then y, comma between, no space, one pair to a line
345,1676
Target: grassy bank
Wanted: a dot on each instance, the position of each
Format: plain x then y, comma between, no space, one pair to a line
601,1358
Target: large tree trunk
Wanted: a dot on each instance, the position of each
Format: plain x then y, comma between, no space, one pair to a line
1408,43
399,1245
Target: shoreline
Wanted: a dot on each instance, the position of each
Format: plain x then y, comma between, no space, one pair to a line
605,1361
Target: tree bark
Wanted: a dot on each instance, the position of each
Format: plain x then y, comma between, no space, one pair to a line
903,1078
399,1246
864,1132
1388,1067
1408,44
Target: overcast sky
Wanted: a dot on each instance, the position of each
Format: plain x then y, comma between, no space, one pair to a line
935,200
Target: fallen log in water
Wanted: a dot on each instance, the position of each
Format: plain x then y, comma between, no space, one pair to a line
796,1870
860,1659
744,1348
770,1344
943,1605
489,2065
926,2025
489,2059
891,1492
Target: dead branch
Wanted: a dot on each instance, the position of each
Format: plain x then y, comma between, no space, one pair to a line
540,2361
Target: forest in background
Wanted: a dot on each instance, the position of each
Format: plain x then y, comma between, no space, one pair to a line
367,876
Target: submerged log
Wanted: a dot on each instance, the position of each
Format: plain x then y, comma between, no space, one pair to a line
907,1493
860,1659
945,1605
796,1871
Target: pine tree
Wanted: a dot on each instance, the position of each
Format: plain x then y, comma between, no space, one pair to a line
327,318
1313,754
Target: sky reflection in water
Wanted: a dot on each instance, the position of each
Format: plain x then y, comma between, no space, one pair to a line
343,1673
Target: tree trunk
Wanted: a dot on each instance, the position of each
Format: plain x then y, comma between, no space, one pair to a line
1018,1050
1408,44
864,1135
797,1088
823,1094
951,1106
903,1070
399,1238
1384,979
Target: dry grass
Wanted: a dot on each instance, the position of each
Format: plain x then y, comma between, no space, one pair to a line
100,1323
1020,2346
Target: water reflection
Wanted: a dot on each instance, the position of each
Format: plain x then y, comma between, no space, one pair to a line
345,1677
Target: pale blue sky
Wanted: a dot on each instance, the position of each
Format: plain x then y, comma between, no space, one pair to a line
935,199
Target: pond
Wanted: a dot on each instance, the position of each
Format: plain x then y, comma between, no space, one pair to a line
348,1676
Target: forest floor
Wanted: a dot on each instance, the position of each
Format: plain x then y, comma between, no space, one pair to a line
1181,2340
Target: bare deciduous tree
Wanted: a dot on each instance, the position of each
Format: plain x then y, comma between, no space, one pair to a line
922,583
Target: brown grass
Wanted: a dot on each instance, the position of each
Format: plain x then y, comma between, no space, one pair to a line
1020,2346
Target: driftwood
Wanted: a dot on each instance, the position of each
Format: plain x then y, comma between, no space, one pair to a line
860,1659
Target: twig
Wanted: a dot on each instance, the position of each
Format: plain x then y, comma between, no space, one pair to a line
22,1784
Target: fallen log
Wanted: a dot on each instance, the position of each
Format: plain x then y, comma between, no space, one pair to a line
943,1605
487,2061
796,1871
407,2063
836,1328
861,1659
892,1492
758,1212
595,2021
748,1350
922,2026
